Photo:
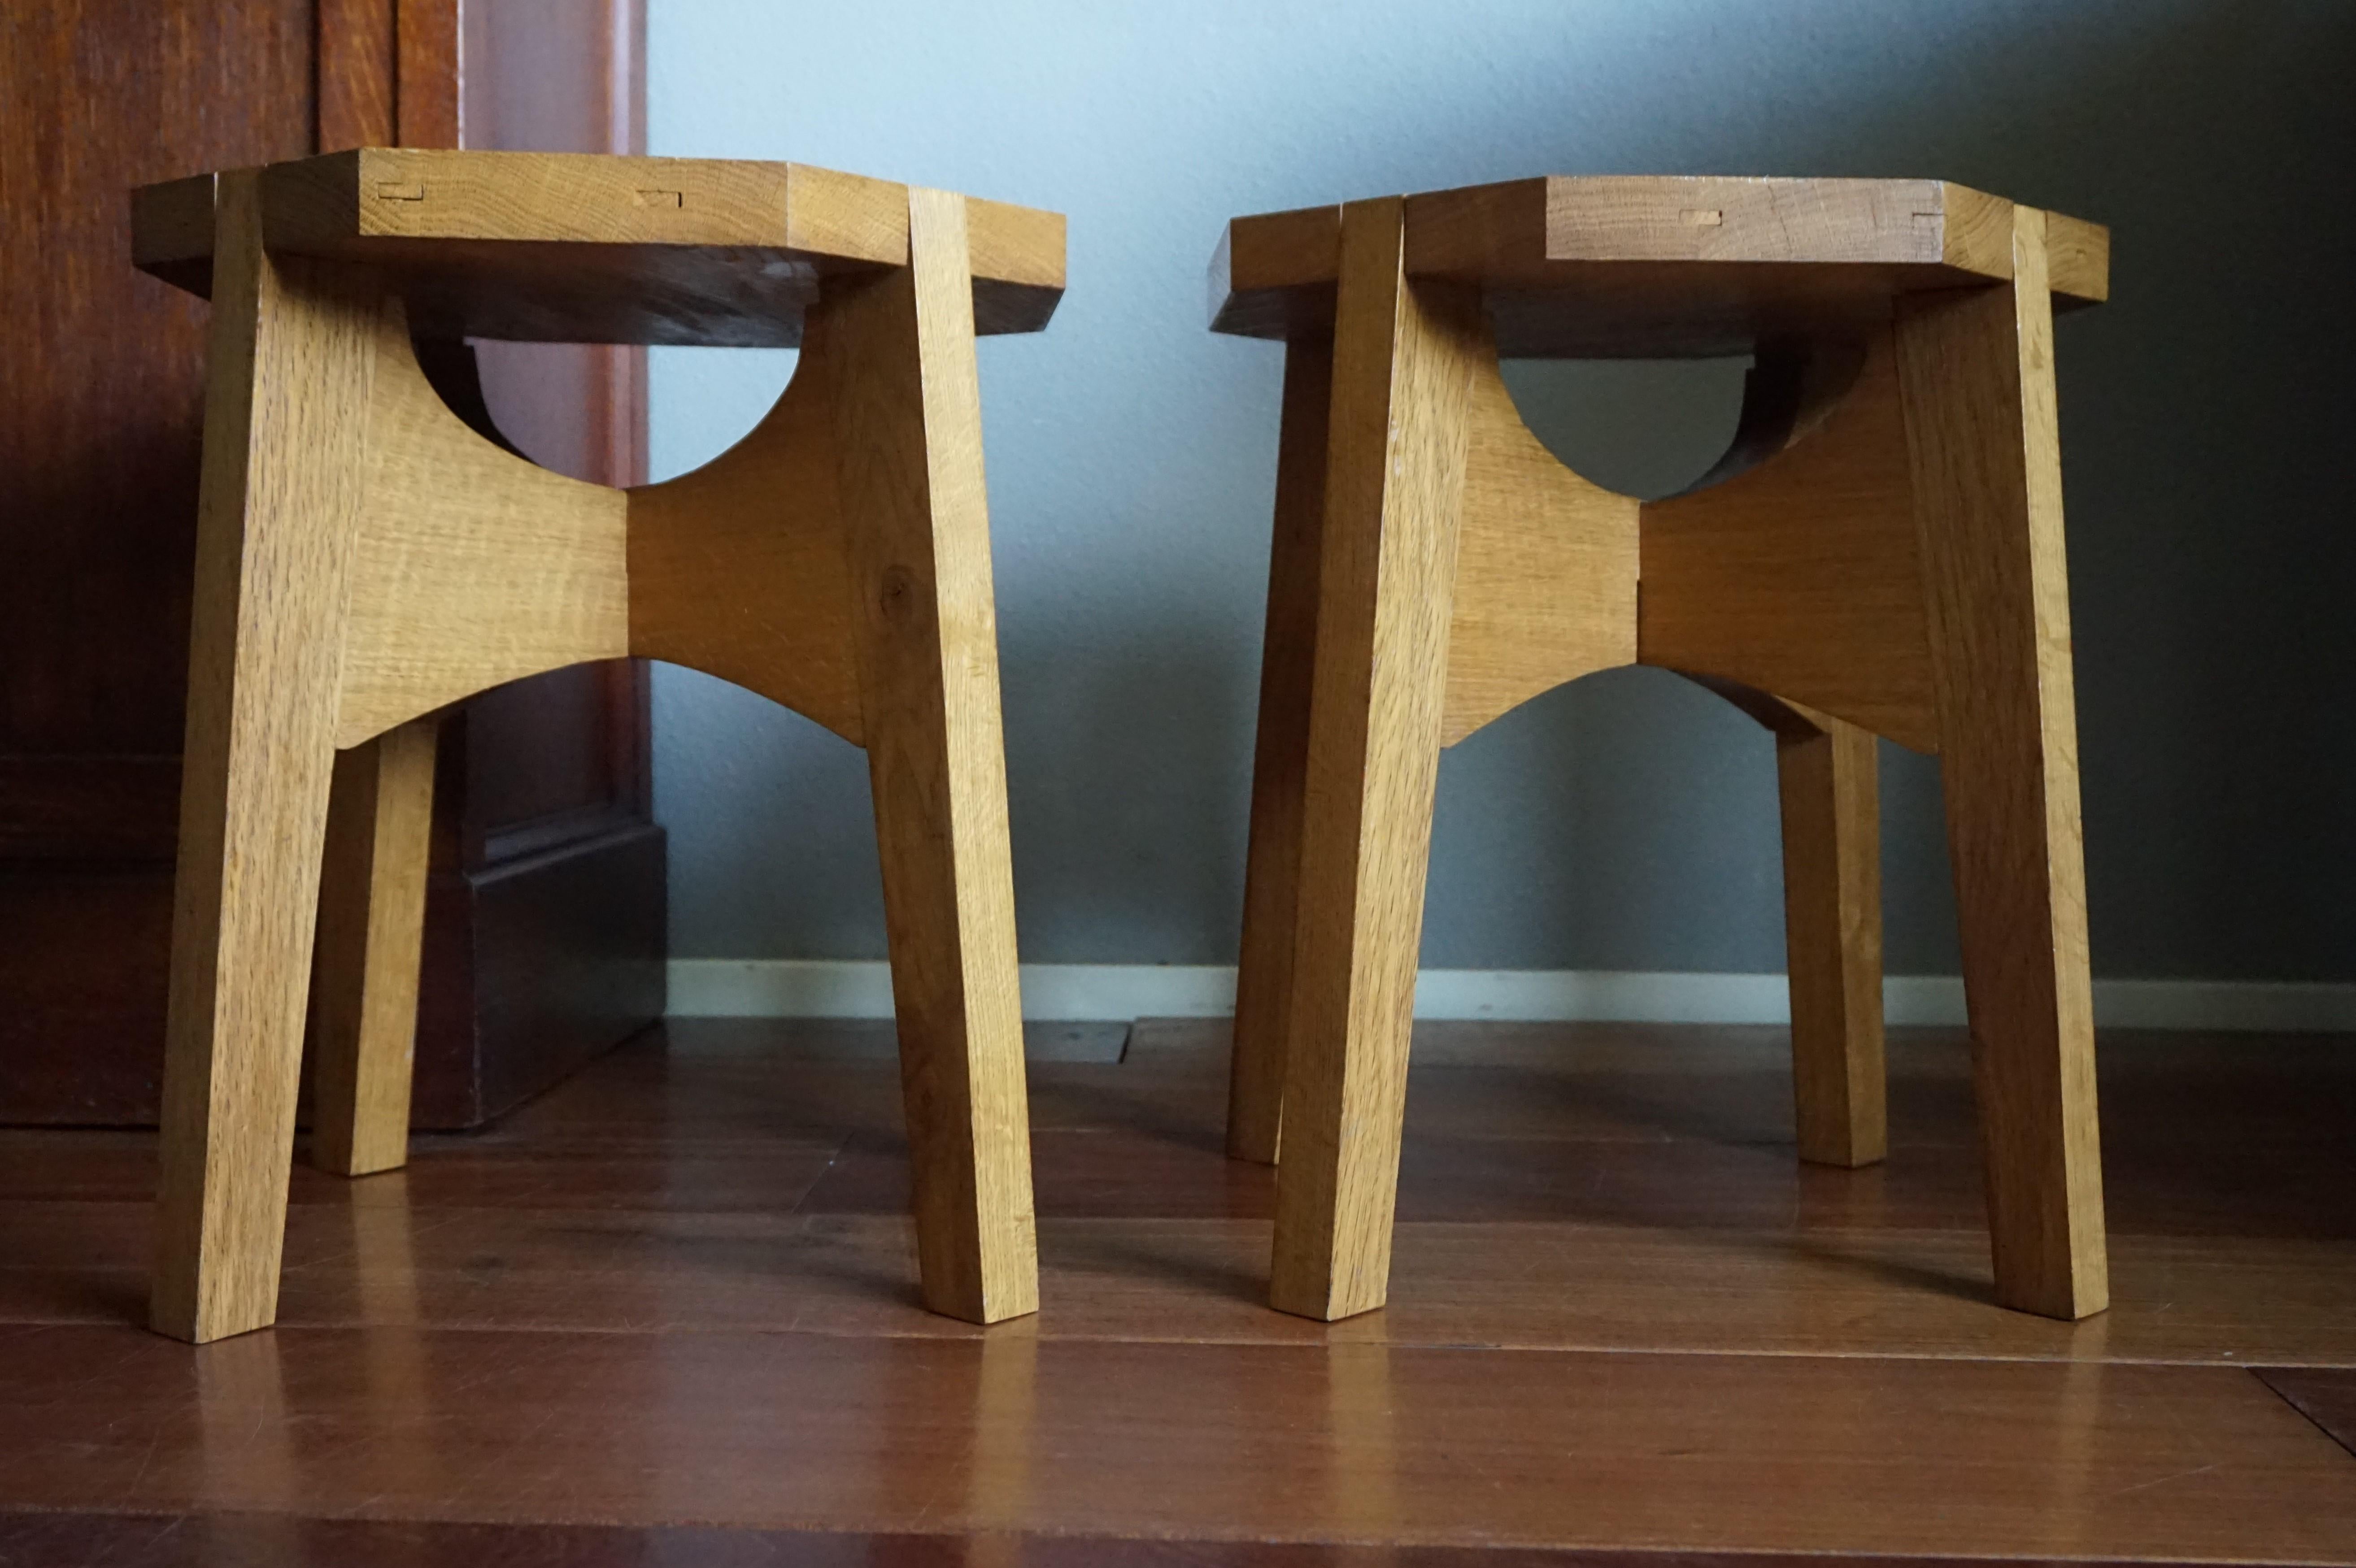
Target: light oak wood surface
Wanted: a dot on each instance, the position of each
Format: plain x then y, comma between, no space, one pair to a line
1608,1187
1403,367
927,640
1800,575
372,922
1827,777
1652,266
1281,759
292,356
1545,567
766,513
369,558
1878,553
593,247
1982,429
473,566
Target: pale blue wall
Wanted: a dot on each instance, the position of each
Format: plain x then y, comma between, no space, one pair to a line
1627,822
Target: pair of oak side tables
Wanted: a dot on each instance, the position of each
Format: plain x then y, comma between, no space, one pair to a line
1878,553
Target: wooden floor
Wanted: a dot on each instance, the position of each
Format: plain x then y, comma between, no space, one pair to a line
666,1316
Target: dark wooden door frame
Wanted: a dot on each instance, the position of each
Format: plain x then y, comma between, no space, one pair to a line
545,924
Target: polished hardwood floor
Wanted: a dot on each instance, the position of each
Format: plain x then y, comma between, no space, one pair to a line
667,1315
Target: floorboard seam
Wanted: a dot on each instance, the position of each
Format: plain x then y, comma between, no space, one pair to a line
2346,1441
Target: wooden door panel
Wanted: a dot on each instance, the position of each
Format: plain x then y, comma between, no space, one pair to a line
546,909
102,399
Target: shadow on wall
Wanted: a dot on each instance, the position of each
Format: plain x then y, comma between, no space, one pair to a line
1666,768
2210,567
1628,821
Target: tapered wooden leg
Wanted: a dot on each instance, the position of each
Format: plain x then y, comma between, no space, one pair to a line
1832,930
372,926
1395,480
1280,759
900,347
284,418
1977,371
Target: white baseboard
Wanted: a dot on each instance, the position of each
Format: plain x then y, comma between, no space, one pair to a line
794,987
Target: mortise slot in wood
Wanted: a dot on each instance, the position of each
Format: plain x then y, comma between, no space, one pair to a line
662,199
1703,217
401,190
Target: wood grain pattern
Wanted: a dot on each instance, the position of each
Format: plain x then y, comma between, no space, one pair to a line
1403,363
1977,237
1827,782
291,362
1611,1277
429,90
357,73
1878,552
100,416
899,352
192,1541
1273,275
1003,1432
1658,265
96,526
473,566
1800,575
1281,759
371,931
1545,567
739,568
463,567
1487,232
695,250
2077,261
1977,374
1607,1187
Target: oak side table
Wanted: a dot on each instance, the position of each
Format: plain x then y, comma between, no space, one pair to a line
1878,553
368,551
